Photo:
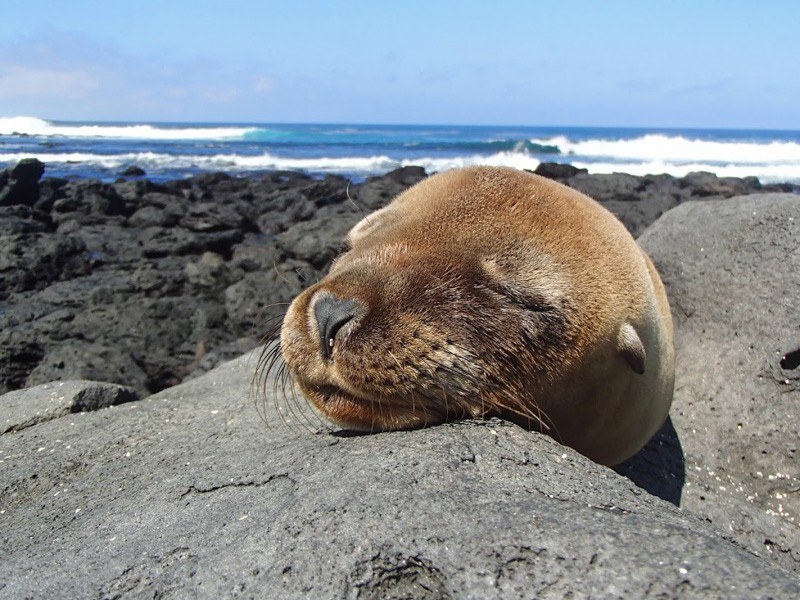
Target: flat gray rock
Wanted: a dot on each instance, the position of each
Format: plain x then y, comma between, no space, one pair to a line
189,493
28,407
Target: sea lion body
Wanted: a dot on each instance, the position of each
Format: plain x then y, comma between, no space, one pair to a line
489,292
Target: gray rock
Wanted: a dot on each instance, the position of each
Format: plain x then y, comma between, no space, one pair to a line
377,192
53,400
558,171
212,216
732,272
188,493
20,219
256,252
34,260
317,242
620,187
703,183
90,202
153,216
133,171
281,209
260,298
78,360
158,242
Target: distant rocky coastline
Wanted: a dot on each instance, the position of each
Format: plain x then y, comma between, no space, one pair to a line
148,284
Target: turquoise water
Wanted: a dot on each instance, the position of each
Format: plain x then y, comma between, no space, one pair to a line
175,150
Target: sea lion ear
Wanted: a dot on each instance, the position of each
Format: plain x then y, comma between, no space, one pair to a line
630,346
368,225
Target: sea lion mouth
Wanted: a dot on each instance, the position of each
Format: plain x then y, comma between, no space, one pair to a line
364,412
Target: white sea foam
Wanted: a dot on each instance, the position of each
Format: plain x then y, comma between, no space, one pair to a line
154,160
678,149
39,127
765,173
517,160
347,164
374,165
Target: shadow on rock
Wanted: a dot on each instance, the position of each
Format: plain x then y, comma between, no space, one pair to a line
659,467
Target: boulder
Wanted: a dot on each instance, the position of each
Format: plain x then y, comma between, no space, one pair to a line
53,400
731,271
377,192
78,360
189,492
20,183
133,171
34,260
558,171
317,242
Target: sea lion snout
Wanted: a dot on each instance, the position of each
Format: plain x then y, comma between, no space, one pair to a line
332,314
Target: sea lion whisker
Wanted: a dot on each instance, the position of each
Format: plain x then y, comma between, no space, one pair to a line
352,201
268,357
279,392
279,274
304,419
282,376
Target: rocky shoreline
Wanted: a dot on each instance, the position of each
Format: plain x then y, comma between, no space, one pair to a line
149,284
189,493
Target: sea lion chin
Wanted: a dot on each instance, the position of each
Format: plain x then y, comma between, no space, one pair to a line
489,292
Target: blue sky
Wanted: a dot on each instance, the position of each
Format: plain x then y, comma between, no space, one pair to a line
663,64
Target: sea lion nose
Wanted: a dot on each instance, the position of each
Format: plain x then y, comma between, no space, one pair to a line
332,314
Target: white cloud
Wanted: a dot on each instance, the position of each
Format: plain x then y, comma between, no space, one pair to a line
26,82
221,95
262,84
70,76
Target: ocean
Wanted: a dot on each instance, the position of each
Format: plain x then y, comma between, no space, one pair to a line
177,150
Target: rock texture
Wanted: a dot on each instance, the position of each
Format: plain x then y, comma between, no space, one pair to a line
188,493
732,271
57,399
147,285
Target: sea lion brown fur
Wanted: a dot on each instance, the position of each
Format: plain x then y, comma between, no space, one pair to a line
489,292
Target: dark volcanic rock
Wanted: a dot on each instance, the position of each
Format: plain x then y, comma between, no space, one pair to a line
20,219
189,493
158,242
558,171
702,184
211,216
89,203
317,243
377,192
282,209
76,360
133,171
33,260
20,184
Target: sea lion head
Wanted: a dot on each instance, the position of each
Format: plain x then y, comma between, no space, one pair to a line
467,296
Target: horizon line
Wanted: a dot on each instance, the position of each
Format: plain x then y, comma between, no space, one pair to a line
401,124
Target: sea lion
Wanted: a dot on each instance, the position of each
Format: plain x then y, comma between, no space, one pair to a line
489,292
